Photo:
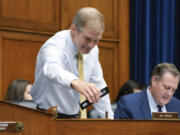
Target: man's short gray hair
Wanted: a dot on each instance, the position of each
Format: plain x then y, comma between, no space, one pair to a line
163,68
86,14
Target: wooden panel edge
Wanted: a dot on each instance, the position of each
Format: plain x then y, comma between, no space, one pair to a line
0,65
124,61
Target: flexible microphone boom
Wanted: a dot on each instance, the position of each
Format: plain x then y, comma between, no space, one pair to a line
86,103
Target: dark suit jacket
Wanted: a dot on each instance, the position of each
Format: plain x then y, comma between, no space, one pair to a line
136,106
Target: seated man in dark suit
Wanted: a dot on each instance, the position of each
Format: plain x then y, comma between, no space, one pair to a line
164,82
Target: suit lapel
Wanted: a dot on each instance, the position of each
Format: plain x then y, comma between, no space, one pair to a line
146,112
170,107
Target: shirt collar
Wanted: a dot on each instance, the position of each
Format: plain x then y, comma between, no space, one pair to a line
72,45
152,102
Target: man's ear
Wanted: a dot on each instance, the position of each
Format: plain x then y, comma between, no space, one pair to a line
73,27
153,80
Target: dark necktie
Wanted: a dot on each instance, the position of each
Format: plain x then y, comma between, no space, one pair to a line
159,108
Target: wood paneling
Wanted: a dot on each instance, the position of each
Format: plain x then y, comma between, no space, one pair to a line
124,58
114,55
18,57
35,15
109,8
108,56
41,123
31,22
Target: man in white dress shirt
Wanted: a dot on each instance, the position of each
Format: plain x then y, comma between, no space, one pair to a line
57,81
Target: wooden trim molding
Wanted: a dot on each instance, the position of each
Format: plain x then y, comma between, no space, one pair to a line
18,52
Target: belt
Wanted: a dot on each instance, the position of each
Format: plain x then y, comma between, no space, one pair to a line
66,116
63,116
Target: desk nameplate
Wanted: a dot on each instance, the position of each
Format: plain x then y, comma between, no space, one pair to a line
164,115
11,126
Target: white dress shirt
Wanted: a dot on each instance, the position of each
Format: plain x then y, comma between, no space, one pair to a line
56,68
153,104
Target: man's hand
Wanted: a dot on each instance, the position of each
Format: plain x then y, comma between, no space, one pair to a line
89,90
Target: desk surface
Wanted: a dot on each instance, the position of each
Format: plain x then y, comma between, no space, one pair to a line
40,123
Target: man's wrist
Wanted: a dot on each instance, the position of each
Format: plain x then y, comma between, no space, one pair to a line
73,83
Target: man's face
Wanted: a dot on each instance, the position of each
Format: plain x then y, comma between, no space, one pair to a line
87,38
163,90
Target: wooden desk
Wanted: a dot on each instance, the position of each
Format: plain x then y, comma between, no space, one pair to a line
40,123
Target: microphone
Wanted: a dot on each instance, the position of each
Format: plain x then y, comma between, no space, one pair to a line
86,103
